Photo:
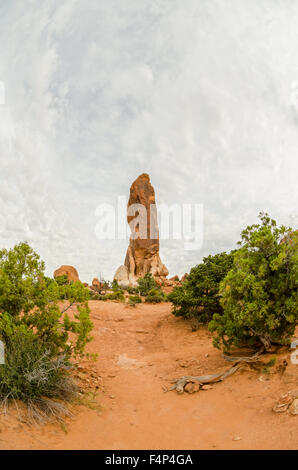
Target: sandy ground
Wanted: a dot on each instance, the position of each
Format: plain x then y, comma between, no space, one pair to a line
140,351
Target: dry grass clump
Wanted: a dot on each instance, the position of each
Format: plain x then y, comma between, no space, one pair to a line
41,380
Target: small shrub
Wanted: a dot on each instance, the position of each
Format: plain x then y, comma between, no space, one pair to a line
155,296
272,362
132,290
117,295
105,285
269,364
146,283
134,299
116,287
103,297
259,294
94,295
33,374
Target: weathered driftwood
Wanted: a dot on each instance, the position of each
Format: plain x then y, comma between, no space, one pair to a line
265,339
253,358
239,362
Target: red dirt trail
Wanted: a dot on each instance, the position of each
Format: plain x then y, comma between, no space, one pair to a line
140,351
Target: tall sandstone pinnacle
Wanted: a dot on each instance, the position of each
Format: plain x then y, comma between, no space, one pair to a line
142,255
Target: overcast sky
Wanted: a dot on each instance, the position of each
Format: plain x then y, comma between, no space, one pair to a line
200,94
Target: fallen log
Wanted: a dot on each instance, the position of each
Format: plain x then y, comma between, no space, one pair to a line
252,358
239,362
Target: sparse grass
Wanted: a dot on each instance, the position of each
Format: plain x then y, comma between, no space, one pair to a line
269,364
134,300
63,427
272,362
89,399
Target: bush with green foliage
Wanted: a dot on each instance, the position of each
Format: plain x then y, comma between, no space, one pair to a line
146,283
155,296
35,326
198,297
259,294
132,290
61,280
117,295
134,300
105,284
93,295
116,287
37,377
97,296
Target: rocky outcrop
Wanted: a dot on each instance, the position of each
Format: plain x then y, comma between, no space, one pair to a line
172,282
96,285
142,255
121,276
69,271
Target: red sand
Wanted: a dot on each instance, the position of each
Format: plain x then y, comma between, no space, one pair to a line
140,351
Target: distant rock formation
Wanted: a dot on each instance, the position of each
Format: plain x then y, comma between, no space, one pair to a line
96,284
69,271
142,255
121,276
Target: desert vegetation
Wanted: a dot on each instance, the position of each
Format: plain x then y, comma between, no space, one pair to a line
146,289
259,294
249,296
198,297
41,338
134,300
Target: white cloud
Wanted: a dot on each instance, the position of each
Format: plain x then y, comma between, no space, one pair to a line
199,94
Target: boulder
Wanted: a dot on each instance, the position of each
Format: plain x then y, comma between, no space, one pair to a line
96,285
121,276
69,271
192,387
142,255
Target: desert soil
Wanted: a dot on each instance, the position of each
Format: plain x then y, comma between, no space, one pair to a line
140,351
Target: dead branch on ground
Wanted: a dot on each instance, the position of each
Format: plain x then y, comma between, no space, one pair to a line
238,363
